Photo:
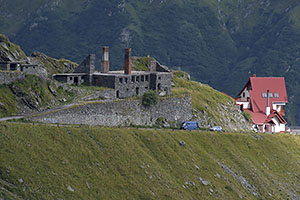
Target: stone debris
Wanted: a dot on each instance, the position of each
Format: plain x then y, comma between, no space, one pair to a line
243,181
21,180
70,189
204,182
182,143
197,167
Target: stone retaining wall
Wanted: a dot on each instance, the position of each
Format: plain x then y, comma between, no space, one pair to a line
123,112
7,77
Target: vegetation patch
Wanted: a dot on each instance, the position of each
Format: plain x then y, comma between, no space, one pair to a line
149,98
82,162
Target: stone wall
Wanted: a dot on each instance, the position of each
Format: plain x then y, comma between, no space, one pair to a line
124,112
7,77
35,70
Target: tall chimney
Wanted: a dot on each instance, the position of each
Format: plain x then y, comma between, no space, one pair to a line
268,109
105,59
127,62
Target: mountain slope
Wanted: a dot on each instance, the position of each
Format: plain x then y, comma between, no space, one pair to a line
219,42
47,162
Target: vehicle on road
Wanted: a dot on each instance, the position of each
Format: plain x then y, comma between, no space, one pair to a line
190,125
216,128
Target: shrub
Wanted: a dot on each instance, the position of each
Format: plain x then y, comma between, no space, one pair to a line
247,116
150,98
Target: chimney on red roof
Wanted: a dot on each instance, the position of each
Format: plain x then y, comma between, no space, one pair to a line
268,109
127,62
105,59
254,75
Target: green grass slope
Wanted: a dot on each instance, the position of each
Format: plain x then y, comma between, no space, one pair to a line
31,94
48,162
210,107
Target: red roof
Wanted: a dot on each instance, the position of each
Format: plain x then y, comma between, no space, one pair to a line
262,118
259,85
278,115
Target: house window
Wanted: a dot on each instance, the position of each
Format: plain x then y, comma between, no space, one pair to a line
244,94
276,95
270,95
147,77
120,80
71,78
142,78
133,78
126,80
137,79
264,95
159,78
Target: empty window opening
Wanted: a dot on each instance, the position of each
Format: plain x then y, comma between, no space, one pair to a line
126,80
137,79
147,78
120,80
159,86
137,91
76,80
159,78
117,94
142,78
133,78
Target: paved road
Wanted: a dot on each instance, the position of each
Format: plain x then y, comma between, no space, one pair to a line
10,118
51,110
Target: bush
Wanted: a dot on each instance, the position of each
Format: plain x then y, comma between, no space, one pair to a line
247,116
150,98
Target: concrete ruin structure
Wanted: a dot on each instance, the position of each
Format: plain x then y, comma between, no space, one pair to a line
126,83
12,71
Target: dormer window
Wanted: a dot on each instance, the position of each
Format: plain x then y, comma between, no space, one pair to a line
264,95
276,95
270,95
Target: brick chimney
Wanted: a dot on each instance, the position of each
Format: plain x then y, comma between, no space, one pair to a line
105,60
127,62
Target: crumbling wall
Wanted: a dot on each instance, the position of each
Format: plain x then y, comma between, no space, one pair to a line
7,77
171,111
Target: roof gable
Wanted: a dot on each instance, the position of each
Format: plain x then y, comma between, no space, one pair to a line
262,84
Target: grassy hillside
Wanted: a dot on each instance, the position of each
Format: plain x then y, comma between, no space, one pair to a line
31,94
210,107
48,162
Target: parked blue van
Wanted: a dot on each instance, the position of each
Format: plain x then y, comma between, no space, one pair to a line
189,125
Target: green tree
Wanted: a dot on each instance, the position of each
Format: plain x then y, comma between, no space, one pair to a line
149,98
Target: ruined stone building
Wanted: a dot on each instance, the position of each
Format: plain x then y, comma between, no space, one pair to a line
13,71
126,83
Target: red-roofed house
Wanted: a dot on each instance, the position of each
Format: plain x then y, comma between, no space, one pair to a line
264,98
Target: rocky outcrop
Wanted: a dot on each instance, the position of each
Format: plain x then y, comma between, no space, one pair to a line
227,115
